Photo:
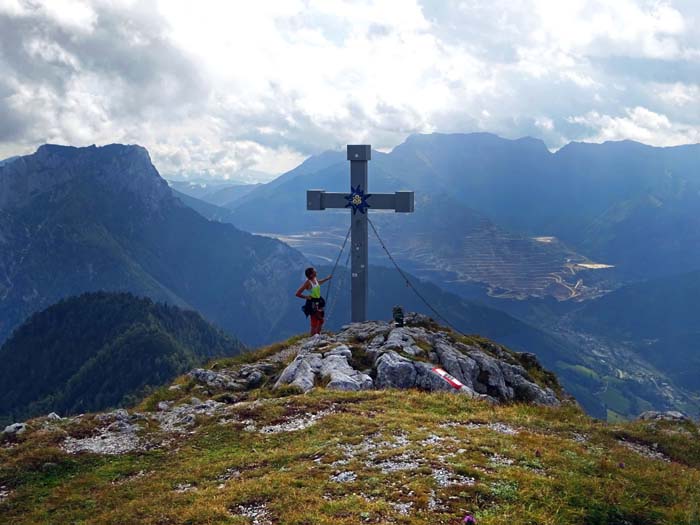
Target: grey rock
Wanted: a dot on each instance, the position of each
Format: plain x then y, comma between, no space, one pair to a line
414,318
255,379
301,372
344,477
363,332
264,367
398,339
529,392
342,375
669,415
491,377
412,350
341,350
107,442
15,429
214,379
120,426
377,341
306,369
426,379
528,360
490,380
314,342
461,366
53,416
121,414
395,371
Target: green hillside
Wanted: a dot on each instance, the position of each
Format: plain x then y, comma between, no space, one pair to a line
657,319
100,350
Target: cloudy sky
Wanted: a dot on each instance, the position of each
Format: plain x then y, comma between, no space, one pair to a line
212,88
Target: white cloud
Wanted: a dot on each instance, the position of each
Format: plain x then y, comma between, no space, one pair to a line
679,94
216,87
638,124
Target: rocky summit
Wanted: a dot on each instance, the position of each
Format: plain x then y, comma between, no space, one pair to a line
379,355
354,427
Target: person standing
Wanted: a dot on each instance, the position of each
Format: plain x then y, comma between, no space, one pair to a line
314,307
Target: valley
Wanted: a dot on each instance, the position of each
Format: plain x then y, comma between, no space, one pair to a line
509,266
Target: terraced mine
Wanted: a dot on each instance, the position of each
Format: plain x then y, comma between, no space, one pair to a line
509,265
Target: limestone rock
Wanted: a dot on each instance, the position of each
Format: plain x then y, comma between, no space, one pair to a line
14,430
342,375
404,357
213,379
670,415
398,339
395,371
254,379
301,372
309,368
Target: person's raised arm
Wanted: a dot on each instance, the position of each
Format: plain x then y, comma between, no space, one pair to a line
326,279
303,287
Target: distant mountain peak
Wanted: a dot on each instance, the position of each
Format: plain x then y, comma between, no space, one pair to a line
116,167
475,139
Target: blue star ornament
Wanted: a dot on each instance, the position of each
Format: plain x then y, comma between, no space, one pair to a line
357,200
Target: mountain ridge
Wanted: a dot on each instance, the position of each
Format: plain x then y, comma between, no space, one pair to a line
109,221
97,350
522,187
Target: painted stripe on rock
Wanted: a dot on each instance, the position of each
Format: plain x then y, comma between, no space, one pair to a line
452,380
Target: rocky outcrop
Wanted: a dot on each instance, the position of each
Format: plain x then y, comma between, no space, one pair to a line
670,415
380,355
314,365
14,430
245,378
362,356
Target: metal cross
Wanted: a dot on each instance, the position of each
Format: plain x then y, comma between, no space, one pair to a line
359,201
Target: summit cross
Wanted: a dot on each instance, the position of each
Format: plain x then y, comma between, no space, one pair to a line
360,201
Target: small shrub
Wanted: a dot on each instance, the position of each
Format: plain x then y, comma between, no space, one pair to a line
360,359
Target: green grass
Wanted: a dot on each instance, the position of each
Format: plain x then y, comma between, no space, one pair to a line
552,478
580,370
615,400
255,355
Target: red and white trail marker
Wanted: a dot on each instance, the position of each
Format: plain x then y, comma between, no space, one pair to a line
452,380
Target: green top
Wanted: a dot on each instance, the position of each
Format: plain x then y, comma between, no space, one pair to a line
315,290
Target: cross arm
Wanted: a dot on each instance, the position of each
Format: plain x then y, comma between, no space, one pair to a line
400,201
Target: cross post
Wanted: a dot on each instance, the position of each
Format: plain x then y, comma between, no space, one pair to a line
359,201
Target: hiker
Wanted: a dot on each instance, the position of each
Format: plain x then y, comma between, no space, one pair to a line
314,302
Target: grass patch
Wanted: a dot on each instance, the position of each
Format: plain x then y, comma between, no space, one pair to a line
360,359
424,345
580,370
545,476
256,355
615,400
